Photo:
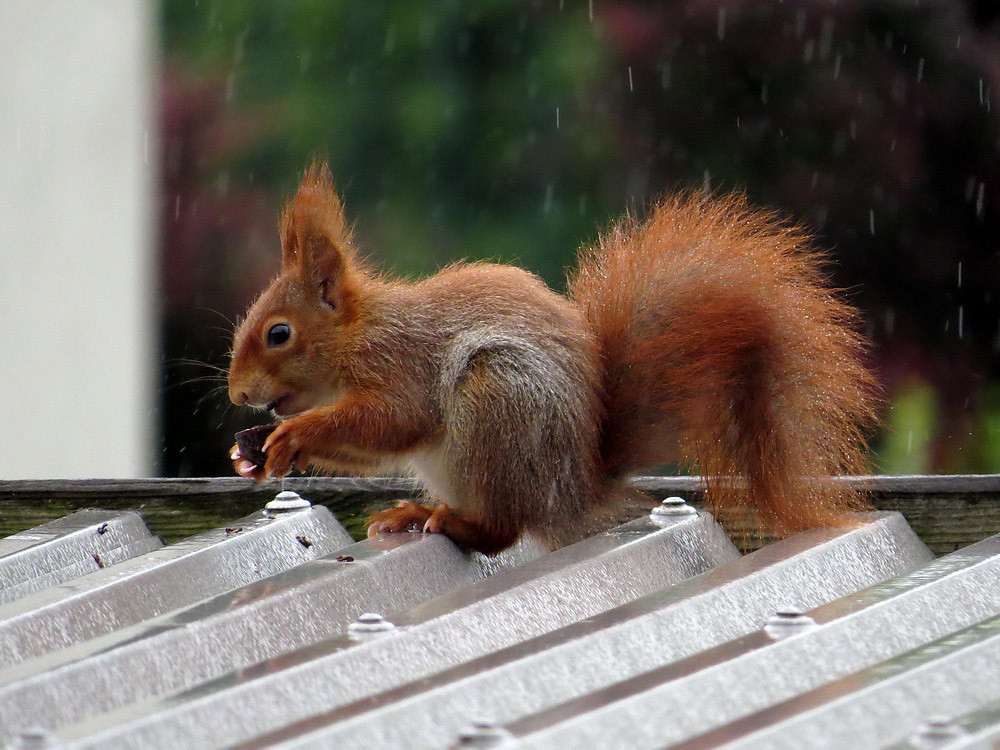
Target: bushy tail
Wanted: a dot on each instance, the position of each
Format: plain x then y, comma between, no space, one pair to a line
724,348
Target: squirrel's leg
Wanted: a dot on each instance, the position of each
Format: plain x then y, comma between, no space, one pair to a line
369,427
521,442
471,534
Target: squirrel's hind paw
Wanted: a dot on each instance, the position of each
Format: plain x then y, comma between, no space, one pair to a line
400,518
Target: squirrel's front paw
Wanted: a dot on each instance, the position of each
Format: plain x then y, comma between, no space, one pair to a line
284,448
244,467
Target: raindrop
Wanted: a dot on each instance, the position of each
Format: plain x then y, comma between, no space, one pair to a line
665,72
836,66
825,38
839,143
980,92
871,221
980,200
549,194
959,274
706,181
631,85
590,10
961,320
222,183
920,70
958,42
721,30
557,118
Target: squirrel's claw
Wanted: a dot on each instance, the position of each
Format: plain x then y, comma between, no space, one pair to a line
435,524
245,468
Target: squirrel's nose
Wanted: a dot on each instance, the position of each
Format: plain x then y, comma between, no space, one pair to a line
238,397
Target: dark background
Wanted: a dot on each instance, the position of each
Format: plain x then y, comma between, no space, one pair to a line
515,130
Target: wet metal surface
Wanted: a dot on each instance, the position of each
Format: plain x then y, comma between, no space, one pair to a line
881,704
574,583
745,675
977,730
168,578
69,547
291,609
584,660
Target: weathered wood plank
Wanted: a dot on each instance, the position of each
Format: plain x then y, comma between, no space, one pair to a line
947,511
177,508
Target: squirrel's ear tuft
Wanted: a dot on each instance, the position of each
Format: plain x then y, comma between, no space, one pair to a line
315,238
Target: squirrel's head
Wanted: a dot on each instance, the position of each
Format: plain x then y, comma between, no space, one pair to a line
286,352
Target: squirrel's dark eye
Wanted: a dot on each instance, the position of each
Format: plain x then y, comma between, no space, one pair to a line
279,334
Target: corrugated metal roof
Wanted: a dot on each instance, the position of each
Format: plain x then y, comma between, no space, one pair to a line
277,630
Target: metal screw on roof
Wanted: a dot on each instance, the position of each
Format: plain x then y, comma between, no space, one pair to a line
671,507
937,732
482,734
788,621
287,500
34,739
368,625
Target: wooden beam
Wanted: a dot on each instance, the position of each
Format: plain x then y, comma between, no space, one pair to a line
947,511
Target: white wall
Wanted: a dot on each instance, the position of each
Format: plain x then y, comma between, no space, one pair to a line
77,167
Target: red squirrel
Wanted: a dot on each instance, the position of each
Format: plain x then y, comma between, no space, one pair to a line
705,334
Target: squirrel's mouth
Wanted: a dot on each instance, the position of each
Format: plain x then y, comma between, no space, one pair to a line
281,406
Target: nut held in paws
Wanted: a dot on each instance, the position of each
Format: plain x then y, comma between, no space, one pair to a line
251,443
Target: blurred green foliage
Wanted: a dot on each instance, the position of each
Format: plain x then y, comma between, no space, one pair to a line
439,121
515,130
909,427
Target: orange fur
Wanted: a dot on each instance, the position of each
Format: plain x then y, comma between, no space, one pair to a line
717,330
705,333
